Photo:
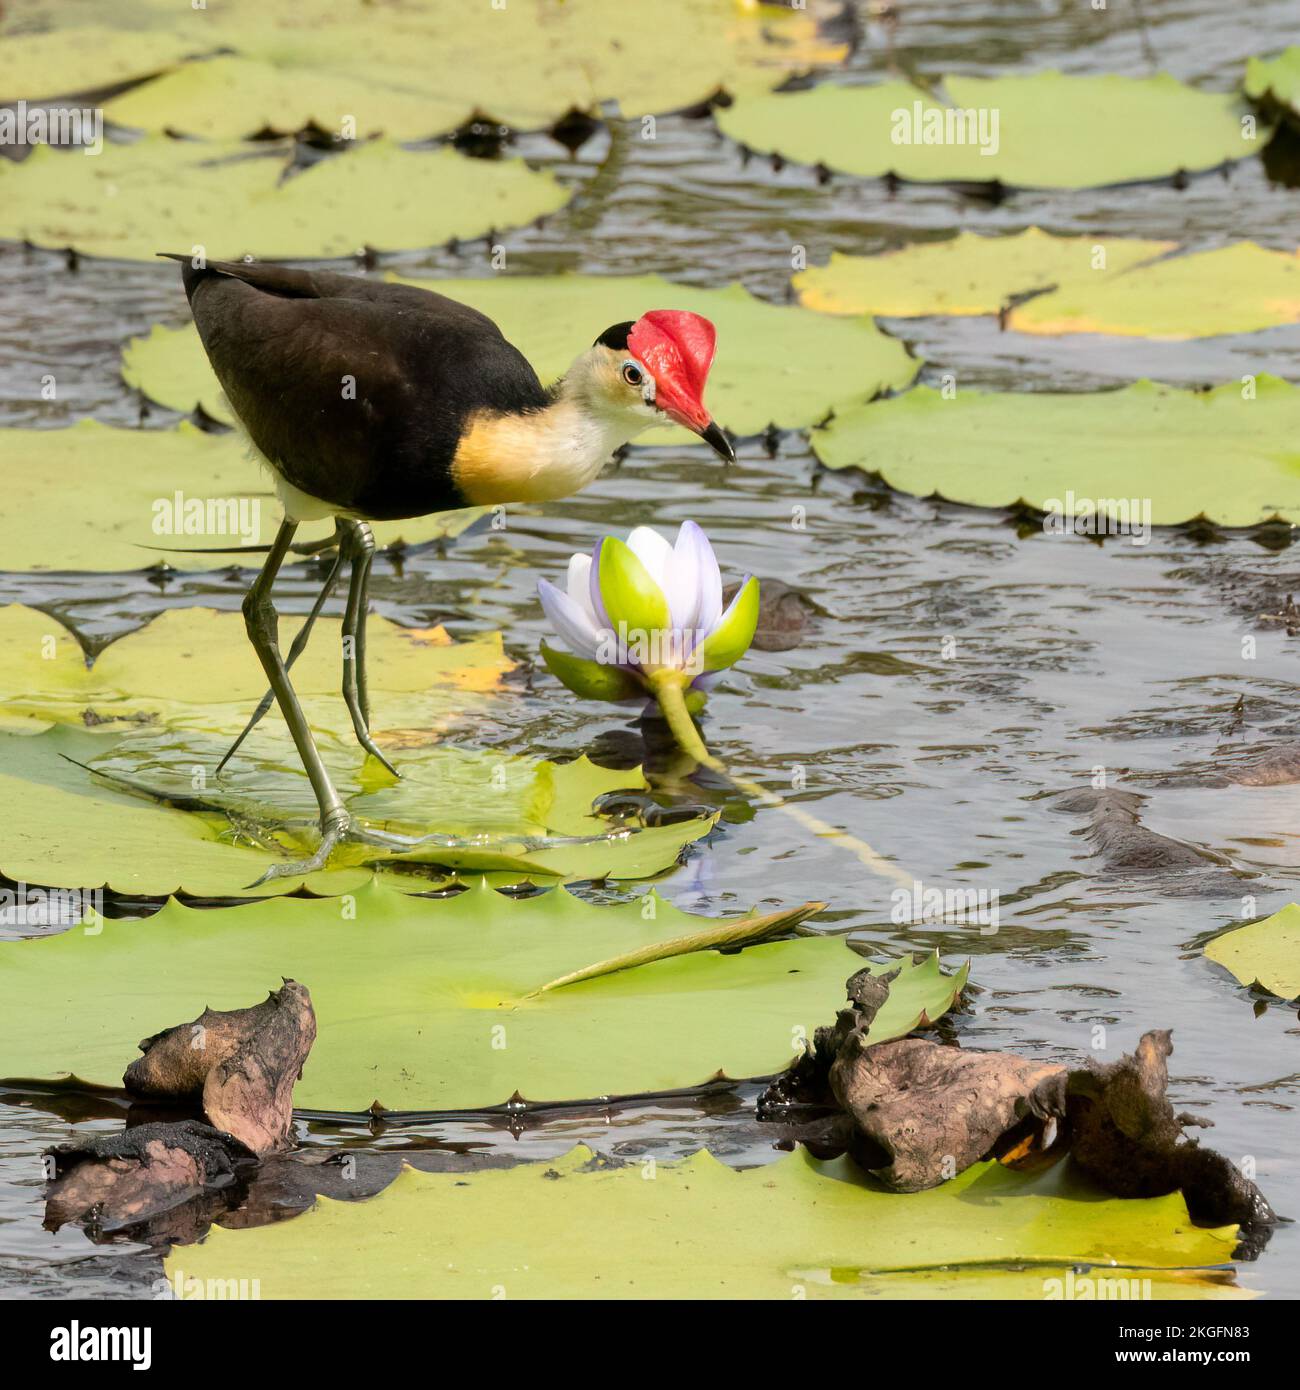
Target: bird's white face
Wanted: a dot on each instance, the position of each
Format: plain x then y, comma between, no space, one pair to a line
619,386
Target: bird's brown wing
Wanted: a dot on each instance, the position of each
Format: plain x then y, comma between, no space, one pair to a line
357,391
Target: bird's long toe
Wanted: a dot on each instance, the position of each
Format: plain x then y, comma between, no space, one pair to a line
333,832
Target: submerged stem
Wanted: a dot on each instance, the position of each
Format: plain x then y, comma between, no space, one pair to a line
669,690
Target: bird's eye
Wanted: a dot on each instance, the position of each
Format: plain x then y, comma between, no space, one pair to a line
632,374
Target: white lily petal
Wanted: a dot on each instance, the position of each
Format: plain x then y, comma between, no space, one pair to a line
682,585
652,550
708,579
572,625
579,585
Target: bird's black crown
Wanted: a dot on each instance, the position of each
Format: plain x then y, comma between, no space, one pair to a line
615,337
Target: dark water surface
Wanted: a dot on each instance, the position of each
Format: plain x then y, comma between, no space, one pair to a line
958,671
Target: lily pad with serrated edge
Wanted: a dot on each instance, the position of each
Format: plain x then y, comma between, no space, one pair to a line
1054,130
133,201
439,1005
1231,454
794,1228
82,810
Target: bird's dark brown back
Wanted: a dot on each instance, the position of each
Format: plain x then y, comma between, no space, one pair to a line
358,391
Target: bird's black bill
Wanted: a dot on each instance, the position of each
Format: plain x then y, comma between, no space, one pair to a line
720,443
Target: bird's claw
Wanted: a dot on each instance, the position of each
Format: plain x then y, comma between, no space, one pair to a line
333,829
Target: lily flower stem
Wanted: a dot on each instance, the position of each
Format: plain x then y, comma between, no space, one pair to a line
669,689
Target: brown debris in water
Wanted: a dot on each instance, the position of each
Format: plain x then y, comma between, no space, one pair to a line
1125,1135
240,1066
116,1181
171,1177
914,1113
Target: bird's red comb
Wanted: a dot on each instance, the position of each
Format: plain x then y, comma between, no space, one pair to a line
678,349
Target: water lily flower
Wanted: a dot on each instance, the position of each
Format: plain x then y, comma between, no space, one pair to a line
645,617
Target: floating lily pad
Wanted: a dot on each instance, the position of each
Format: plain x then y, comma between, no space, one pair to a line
62,826
434,1005
1276,81
526,63
991,449
1053,130
132,201
194,668
228,97
966,274
83,57
776,364
183,686
95,497
793,1228
1235,289
1265,953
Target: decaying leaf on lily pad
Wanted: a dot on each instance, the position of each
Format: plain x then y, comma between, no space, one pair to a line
797,1227
750,386
1053,130
97,497
1143,443
915,1113
158,194
1264,953
443,1004
238,1068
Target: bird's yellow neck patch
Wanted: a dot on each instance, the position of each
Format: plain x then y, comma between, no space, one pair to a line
534,457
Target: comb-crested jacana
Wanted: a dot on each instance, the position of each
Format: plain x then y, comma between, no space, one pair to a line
372,401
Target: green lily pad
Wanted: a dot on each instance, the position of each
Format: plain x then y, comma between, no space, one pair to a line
795,1228
62,826
229,97
183,686
1276,81
194,668
526,63
966,274
1145,442
1264,953
95,497
1053,130
132,201
1234,289
776,364
434,1005
83,57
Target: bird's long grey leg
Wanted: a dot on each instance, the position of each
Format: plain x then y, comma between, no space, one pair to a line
296,647
263,631
361,548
